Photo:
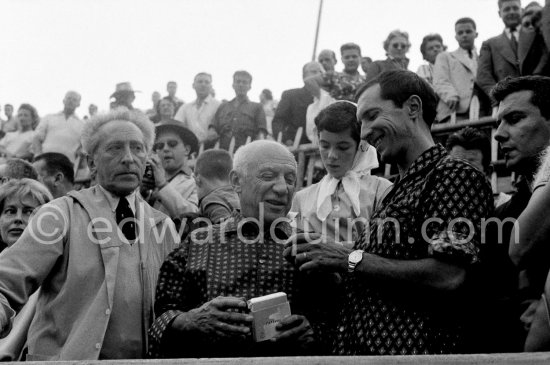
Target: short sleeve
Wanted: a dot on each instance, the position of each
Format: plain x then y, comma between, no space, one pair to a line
459,198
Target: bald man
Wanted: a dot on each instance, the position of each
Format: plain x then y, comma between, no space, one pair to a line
196,311
291,111
61,132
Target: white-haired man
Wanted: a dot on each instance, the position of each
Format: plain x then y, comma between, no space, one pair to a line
60,132
95,253
202,289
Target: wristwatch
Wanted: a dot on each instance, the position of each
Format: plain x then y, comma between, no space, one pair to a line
354,258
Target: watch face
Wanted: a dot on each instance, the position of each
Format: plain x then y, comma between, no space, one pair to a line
356,256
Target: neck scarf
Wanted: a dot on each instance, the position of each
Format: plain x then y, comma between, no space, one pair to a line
365,160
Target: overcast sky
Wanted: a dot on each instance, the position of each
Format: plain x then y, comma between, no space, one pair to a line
51,46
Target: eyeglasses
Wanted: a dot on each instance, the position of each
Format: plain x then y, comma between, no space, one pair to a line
160,145
400,45
527,24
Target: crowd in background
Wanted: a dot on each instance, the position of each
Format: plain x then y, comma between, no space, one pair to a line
215,172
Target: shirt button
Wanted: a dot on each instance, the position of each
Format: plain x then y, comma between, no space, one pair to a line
108,311
98,345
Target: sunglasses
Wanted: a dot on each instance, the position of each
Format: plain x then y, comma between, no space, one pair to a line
400,45
160,145
527,24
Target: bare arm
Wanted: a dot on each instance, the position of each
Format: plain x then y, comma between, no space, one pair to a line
429,273
532,229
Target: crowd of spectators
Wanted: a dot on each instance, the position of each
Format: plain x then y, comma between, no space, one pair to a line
188,211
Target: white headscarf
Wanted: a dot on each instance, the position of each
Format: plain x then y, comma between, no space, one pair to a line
365,160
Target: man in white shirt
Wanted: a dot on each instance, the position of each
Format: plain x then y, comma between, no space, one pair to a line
60,132
198,114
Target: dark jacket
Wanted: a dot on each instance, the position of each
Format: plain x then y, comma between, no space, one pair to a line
291,114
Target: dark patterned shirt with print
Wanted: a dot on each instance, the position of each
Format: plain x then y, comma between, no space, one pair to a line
342,86
381,318
226,265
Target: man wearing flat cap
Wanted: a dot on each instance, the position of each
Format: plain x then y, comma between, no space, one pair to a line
174,191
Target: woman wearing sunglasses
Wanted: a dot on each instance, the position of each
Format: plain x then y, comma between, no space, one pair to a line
168,181
341,204
397,46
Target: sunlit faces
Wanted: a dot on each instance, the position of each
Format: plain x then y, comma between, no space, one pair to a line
327,60
383,125
173,153
155,97
241,85
172,88
465,35
202,85
14,217
351,58
398,47
71,101
337,152
473,156
119,159
312,69
8,110
43,175
433,48
271,180
523,132
510,13
166,108
25,118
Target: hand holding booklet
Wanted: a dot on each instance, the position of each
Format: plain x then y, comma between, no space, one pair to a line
267,312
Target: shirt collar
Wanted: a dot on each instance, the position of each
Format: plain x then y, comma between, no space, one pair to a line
426,160
236,101
206,100
223,187
185,170
508,32
113,199
283,230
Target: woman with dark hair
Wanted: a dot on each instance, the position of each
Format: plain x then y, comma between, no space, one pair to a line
18,144
431,46
166,109
342,202
397,46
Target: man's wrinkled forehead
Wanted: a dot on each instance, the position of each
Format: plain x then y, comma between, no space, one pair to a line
266,160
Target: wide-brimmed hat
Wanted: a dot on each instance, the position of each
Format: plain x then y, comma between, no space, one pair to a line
123,88
189,138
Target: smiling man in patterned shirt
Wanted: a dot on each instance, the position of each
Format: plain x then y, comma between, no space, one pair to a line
404,279
203,287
